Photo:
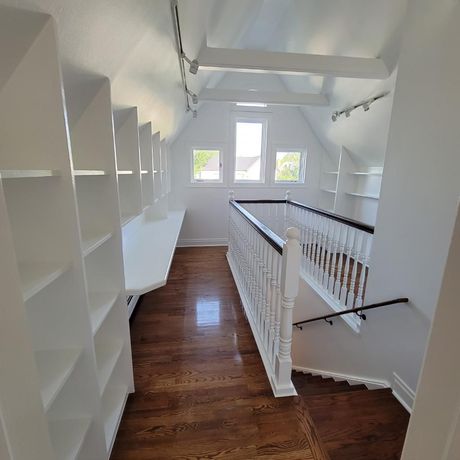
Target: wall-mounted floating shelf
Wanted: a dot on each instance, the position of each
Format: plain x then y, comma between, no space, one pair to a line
363,195
328,191
364,173
91,243
125,172
331,172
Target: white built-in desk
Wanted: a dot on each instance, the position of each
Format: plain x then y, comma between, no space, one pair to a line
148,249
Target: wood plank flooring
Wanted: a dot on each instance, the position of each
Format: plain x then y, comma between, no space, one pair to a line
201,389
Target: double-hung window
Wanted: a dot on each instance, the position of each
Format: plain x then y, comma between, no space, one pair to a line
250,149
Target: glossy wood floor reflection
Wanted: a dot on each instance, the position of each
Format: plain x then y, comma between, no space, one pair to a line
201,389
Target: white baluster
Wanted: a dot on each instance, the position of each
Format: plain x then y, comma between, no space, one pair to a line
334,261
357,254
343,237
346,276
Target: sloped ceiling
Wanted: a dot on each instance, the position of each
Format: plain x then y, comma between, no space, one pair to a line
132,43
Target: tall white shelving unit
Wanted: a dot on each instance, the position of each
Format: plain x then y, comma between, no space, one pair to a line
65,350
147,170
95,171
128,163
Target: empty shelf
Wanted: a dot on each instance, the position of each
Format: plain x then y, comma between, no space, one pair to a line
100,303
363,195
90,172
107,355
328,191
36,276
89,244
68,436
363,173
145,171
330,172
54,369
28,173
148,251
125,172
113,405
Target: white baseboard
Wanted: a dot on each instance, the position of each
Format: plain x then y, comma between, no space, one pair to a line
351,379
278,391
403,392
197,242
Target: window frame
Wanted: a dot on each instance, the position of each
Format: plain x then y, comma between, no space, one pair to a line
303,166
207,182
254,117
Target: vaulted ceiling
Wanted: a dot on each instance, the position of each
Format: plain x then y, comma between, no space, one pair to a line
132,42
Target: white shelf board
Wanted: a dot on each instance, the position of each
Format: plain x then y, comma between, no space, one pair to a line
126,218
54,369
362,173
91,243
156,171
114,403
125,172
363,195
149,251
107,356
36,276
90,172
328,191
101,303
68,436
145,171
28,173
330,172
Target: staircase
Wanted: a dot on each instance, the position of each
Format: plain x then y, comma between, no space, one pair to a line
350,421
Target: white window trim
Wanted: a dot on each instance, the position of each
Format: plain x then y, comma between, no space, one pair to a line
207,183
251,117
303,166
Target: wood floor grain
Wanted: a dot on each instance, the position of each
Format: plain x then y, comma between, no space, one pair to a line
201,389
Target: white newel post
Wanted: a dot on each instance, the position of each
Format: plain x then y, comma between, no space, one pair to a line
289,289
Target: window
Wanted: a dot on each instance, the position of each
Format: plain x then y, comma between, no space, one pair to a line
206,165
250,150
290,166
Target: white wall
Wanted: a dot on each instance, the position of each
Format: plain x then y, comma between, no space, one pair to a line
419,194
206,218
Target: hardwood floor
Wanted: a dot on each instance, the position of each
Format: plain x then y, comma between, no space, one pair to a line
201,389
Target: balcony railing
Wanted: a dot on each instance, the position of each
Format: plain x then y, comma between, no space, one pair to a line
335,250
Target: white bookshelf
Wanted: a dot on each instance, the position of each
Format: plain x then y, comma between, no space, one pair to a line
98,205
146,151
128,163
51,373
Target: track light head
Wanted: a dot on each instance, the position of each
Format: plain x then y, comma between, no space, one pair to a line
194,65
348,113
334,117
195,114
195,99
366,106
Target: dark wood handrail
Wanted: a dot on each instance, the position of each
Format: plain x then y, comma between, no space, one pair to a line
272,238
338,218
352,310
344,220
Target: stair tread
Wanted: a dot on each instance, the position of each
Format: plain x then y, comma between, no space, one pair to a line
359,425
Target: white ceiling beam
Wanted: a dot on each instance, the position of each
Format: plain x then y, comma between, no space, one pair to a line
240,60
267,97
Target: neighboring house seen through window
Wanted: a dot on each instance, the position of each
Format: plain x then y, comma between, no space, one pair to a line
206,165
250,150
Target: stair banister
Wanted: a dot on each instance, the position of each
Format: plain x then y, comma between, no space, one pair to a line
266,271
289,290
